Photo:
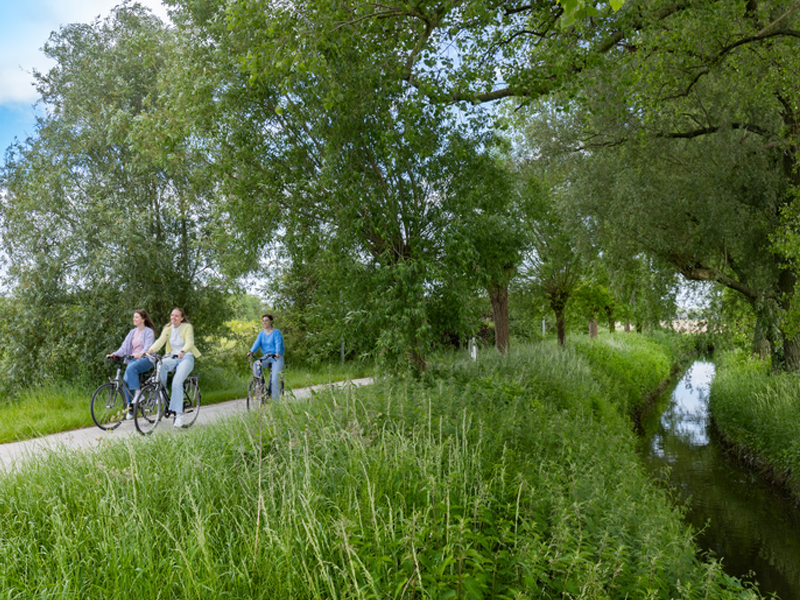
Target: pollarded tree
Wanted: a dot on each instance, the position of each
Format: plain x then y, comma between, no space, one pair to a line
96,221
553,267
494,218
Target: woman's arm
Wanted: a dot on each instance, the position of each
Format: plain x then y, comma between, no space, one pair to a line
125,348
279,348
188,340
162,339
257,344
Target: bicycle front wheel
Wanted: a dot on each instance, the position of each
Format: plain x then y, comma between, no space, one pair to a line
108,406
191,401
256,394
149,409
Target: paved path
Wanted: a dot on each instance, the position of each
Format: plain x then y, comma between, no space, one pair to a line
16,453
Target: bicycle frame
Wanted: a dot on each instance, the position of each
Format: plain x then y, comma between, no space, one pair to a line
155,399
259,389
113,400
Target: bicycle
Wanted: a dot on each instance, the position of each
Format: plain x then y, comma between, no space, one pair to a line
108,406
153,403
259,390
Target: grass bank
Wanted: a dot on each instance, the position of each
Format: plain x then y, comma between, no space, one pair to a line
515,477
63,407
758,414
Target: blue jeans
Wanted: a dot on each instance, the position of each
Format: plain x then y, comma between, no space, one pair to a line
132,371
182,367
276,366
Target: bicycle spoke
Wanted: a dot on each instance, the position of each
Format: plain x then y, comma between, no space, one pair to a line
191,401
108,406
149,409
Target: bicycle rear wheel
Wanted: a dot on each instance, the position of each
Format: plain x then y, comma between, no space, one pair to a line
149,409
108,406
191,401
256,394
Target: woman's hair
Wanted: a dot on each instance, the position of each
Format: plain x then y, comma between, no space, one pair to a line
148,322
183,316
269,316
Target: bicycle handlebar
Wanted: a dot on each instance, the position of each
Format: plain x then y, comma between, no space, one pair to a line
118,359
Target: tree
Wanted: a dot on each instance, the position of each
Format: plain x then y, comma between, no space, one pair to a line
495,217
399,200
553,267
103,211
592,300
456,52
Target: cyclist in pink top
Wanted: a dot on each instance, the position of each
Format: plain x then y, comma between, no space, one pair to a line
138,340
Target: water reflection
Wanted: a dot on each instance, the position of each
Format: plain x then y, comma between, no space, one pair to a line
751,526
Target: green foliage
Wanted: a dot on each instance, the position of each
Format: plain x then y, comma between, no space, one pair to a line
509,478
758,412
103,209
630,366
689,164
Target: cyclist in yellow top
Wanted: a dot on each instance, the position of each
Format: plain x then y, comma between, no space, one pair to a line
178,335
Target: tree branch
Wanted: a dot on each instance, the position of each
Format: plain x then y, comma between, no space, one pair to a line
702,273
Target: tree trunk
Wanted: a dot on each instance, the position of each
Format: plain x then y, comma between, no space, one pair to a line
791,353
627,325
418,362
561,327
498,294
558,304
791,349
760,345
593,329
612,325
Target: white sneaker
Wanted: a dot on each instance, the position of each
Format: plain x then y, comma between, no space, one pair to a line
178,420
129,415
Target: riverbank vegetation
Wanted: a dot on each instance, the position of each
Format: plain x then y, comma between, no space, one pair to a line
512,477
757,412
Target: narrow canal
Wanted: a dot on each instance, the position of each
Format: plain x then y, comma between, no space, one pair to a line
752,527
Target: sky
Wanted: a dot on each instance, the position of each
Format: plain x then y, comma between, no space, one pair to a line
25,26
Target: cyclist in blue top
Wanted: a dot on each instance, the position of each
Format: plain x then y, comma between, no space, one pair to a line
270,342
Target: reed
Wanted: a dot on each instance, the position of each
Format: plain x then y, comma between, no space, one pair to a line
511,478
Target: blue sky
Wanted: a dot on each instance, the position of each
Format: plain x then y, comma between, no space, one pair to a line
24,29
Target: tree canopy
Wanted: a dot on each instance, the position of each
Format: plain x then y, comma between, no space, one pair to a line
366,142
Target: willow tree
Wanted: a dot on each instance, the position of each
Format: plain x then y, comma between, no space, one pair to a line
349,167
102,212
677,154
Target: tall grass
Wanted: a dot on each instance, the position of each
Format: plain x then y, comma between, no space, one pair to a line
512,478
632,366
759,413
43,410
